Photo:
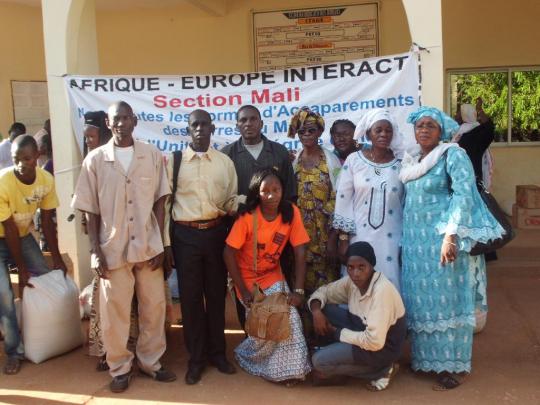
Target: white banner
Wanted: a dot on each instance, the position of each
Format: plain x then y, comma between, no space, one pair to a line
344,90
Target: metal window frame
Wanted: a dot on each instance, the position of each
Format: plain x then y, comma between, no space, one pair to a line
505,69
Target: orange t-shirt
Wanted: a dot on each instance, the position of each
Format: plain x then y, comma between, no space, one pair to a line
271,239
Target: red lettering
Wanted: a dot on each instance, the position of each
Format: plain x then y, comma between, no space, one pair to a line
160,101
259,98
175,102
532,221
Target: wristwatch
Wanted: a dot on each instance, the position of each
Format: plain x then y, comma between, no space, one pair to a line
343,236
299,291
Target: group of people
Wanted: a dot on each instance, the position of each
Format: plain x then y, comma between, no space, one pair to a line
369,242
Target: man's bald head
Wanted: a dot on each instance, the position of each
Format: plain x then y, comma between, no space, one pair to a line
201,129
23,141
121,121
118,105
200,114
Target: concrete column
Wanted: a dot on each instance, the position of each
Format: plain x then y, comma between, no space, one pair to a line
70,48
425,25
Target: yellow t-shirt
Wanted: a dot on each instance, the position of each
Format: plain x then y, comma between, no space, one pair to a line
22,200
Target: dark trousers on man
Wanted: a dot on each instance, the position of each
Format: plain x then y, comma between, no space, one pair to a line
199,253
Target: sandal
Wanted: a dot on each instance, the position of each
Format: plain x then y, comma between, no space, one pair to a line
12,366
292,383
448,381
383,382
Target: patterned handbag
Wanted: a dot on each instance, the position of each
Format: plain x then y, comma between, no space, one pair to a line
268,316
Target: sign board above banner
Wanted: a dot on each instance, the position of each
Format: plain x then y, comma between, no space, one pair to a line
314,36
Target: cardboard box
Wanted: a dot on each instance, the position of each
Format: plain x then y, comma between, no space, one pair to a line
528,196
526,218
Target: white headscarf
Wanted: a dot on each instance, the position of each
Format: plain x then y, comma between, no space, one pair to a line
371,117
468,115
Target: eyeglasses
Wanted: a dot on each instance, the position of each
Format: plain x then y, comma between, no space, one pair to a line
309,130
342,136
429,126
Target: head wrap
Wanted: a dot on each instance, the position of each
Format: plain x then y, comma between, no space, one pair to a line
304,116
95,119
448,126
362,249
468,115
371,117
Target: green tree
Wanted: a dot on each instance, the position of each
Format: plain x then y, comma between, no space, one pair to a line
526,105
492,87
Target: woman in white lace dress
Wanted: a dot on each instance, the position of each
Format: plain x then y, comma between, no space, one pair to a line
369,193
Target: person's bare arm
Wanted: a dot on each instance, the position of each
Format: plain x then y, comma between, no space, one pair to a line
321,324
300,274
480,113
49,230
159,211
229,256
99,264
332,244
13,242
300,265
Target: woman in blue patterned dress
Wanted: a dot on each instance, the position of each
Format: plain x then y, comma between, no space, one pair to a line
443,218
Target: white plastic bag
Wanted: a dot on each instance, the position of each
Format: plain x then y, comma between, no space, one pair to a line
85,300
481,319
50,316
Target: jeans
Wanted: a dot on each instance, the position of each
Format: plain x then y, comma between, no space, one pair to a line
337,359
36,265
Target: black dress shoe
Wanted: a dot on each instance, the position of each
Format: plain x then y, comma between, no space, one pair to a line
120,383
224,366
193,375
161,375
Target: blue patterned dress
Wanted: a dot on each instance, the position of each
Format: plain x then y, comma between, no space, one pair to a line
440,300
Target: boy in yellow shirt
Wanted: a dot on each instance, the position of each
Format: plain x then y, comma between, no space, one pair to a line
24,188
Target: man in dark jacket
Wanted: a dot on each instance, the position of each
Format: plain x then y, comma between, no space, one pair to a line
253,152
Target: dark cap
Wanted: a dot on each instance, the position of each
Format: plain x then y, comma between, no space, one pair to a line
95,118
362,249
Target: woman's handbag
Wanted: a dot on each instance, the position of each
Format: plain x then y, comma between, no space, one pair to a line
500,216
493,207
268,316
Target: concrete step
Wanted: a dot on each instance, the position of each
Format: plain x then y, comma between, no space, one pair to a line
524,247
514,265
519,254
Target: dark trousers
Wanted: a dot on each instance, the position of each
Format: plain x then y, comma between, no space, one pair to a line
199,253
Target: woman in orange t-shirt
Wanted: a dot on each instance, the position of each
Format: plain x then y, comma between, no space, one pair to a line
277,222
